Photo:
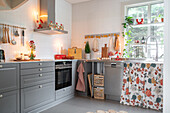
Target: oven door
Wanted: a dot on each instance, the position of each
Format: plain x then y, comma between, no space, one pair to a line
63,78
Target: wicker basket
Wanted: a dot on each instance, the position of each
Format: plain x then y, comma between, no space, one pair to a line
98,80
99,93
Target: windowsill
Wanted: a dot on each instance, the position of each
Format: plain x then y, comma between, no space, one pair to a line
146,25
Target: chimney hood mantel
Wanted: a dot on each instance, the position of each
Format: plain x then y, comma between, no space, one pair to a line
47,14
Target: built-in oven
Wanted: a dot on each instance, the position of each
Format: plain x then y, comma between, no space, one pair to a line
63,74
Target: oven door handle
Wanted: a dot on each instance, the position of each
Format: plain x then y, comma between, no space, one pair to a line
63,67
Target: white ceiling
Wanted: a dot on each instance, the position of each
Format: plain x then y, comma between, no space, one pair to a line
76,1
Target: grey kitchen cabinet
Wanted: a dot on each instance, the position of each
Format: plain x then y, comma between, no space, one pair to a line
33,65
37,70
113,77
64,92
37,96
9,77
36,79
9,88
37,85
9,102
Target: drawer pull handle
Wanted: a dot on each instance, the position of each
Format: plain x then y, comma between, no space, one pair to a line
41,69
40,86
1,66
40,64
1,96
40,75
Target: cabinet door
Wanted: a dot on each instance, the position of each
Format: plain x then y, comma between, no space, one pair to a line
9,78
37,96
9,102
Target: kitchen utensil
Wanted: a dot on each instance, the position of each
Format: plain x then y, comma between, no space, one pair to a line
4,39
13,37
22,38
105,52
95,45
16,33
1,34
8,38
2,55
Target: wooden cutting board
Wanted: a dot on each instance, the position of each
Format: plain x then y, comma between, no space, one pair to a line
105,52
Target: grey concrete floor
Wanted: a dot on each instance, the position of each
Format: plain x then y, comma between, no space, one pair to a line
83,105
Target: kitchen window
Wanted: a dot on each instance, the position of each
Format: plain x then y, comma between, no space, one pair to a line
153,25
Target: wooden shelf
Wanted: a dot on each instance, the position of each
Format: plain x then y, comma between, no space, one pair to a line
48,31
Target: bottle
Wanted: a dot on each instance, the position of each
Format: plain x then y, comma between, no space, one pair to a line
143,40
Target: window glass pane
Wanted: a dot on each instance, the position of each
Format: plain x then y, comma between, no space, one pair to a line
138,32
138,13
157,12
158,32
138,52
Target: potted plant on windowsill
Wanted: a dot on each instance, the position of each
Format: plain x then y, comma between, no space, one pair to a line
87,50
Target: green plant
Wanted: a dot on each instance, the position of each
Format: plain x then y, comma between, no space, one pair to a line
128,23
87,47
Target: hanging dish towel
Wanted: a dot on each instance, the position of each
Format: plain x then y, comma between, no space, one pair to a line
116,43
80,84
95,45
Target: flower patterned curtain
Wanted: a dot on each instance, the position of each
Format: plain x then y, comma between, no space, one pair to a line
143,85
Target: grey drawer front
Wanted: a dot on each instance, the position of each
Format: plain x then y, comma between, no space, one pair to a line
36,65
9,102
64,92
37,70
36,79
37,96
9,78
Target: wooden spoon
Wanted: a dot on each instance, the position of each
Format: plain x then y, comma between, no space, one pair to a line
4,40
7,30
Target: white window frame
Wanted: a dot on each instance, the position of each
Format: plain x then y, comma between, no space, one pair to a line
149,13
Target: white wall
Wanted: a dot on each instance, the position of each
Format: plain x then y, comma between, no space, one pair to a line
95,17
167,59
46,45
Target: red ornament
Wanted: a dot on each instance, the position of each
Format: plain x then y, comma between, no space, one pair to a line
40,24
141,22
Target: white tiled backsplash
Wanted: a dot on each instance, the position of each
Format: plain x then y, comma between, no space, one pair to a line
46,45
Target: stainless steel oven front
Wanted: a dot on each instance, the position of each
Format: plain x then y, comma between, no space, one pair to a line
63,74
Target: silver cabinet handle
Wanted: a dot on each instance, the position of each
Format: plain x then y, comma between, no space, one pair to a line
40,86
1,96
40,64
1,66
41,69
40,75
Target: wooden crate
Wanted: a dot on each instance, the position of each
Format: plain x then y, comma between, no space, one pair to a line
99,93
98,80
